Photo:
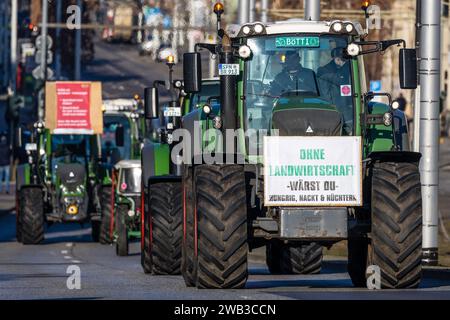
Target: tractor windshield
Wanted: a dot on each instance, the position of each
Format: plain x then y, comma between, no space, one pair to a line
110,151
70,148
307,69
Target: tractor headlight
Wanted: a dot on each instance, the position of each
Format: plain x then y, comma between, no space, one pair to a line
244,51
178,84
206,109
353,50
387,119
337,27
259,28
246,30
349,28
395,105
217,122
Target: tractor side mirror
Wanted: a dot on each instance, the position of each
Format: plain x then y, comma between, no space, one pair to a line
408,68
151,102
120,136
192,72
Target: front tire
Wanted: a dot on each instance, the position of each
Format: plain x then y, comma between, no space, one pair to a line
121,229
304,258
188,257
146,259
106,205
32,215
222,226
165,228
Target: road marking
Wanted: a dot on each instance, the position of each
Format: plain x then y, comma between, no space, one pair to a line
67,257
70,244
75,261
64,251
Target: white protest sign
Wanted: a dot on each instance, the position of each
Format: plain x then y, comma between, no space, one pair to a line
312,171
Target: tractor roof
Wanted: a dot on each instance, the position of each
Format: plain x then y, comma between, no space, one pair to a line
128,164
295,26
116,105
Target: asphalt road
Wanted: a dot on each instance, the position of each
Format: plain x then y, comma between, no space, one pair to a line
40,271
123,72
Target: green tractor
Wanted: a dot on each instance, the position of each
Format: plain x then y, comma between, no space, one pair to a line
298,156
161,177
58,184
126,193
124,129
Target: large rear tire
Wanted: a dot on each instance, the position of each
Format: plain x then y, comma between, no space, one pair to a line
395,243
121,229
304,258
397,224
106,205
222,226
146,259
165,204
188,257
32,215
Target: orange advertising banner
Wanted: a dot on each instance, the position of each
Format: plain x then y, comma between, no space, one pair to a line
73,107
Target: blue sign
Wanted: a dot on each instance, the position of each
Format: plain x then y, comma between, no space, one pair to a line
375,85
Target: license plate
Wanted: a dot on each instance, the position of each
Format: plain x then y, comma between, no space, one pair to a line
226,69
31,147
172,112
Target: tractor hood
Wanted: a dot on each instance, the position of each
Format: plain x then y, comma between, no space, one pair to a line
306,116
71,175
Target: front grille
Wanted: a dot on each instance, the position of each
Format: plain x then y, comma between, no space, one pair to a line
307,122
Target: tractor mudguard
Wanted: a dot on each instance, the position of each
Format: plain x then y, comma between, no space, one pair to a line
155,161
395,156
401,130
379,137
191,123
22,175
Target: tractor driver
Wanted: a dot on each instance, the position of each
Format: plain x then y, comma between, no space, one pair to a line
335,85
294,77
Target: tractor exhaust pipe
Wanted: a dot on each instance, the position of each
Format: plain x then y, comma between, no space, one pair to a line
429,72
312,10
227,92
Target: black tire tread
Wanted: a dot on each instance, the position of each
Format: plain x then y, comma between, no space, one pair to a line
165,201
222,226
396,245
105,203
188,261
32,215
121,229
295,258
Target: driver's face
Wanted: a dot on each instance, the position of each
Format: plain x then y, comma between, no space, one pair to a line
339,61
292,61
